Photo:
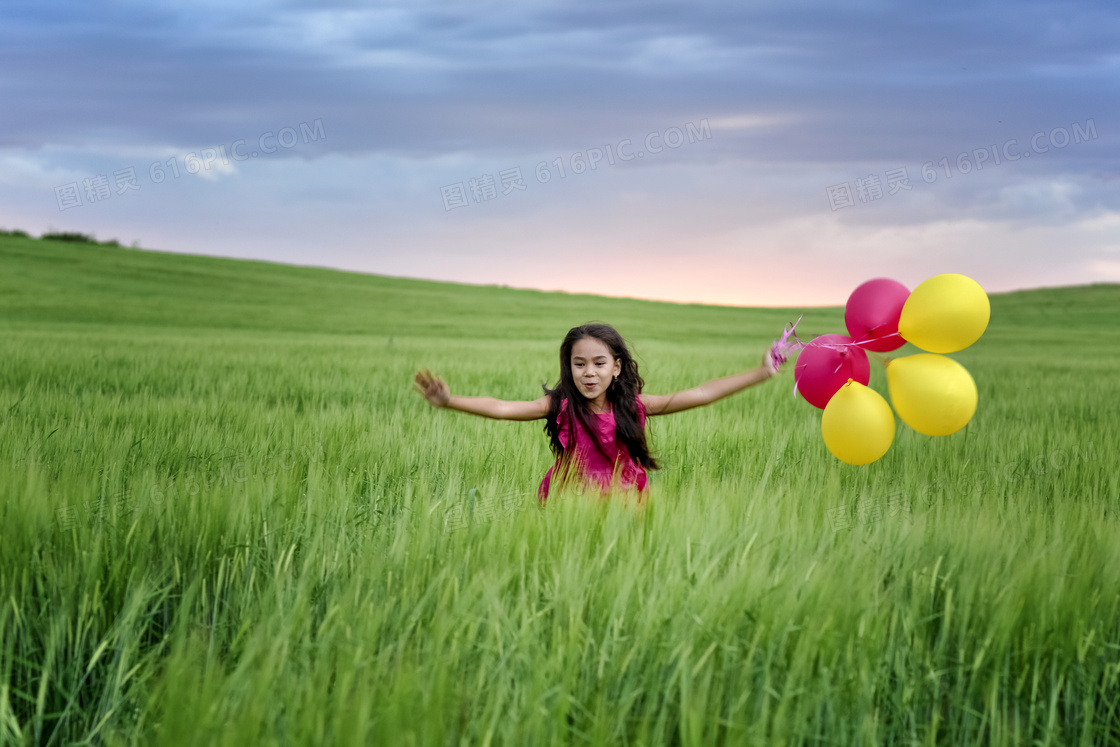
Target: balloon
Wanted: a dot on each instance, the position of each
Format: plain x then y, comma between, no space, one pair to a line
932,394
945,314
825,363
857,424
872,312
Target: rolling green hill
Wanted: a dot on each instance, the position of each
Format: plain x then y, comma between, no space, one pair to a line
225,518
60,282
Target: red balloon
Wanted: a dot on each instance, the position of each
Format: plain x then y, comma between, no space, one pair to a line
872,313
825,364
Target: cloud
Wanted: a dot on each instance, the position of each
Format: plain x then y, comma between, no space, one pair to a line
412,97
859,82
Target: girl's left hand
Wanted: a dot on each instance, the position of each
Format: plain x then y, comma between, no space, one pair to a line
768,363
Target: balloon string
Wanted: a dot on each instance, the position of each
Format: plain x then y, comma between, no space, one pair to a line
783,347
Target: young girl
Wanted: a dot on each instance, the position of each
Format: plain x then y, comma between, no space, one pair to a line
596,414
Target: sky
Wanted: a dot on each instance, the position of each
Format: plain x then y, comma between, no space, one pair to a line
743,153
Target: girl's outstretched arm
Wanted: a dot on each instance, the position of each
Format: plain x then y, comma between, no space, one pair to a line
707,393
438,395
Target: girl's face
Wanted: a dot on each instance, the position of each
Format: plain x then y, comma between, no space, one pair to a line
593,368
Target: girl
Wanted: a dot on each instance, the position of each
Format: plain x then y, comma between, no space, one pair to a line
596,414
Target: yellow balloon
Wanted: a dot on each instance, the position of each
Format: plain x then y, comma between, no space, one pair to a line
945,314
857,425
932,394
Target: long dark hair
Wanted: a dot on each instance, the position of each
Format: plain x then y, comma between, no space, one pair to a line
621,393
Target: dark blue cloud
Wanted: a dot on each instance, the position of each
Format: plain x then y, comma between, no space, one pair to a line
851,82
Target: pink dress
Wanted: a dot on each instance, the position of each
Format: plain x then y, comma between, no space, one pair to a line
590,462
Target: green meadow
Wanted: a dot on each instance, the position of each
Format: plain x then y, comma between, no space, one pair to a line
227,519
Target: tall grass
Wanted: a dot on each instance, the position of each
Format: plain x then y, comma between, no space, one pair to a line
225,519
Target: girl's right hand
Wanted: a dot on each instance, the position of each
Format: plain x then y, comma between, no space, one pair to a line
433,389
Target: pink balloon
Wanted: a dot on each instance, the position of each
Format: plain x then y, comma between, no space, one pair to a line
825,364
872,313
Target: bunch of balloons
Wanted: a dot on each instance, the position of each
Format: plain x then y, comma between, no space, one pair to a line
931,393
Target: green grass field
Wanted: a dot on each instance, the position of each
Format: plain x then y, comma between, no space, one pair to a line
227,519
